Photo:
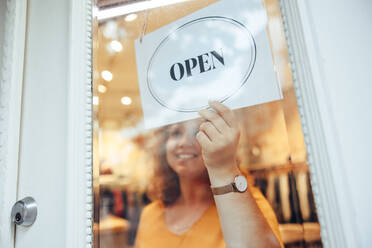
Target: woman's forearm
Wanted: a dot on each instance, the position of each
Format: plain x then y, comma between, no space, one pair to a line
242,222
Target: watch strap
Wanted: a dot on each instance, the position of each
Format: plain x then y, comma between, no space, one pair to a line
223,189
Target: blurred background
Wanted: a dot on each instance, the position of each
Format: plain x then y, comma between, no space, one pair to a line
271,147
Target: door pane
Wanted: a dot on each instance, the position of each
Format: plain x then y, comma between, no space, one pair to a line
129,158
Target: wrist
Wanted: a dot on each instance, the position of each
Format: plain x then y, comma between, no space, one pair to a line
220,176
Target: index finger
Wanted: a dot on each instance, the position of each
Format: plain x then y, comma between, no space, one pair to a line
224,112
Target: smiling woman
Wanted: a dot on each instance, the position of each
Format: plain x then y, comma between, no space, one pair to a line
188,166
173,159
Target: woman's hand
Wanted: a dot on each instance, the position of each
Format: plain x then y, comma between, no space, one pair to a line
219,138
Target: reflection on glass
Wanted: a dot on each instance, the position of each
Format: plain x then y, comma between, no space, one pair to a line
145,169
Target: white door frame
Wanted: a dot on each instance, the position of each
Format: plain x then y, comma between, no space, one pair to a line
11,83
78,207
79,204
324,160
338,228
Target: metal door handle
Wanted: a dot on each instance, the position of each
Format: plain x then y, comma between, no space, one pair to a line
24,212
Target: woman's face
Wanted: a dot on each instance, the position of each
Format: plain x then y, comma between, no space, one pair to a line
183,152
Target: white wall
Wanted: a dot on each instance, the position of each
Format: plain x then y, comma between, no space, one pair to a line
2,27
3,226
342,33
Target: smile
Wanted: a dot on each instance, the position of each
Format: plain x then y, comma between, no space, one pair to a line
186,156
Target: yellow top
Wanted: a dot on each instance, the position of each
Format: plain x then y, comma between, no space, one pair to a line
205,232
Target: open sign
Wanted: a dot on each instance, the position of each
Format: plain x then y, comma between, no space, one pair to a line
183,80
220,52
204,62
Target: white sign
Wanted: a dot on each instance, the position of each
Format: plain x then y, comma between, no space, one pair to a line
219,53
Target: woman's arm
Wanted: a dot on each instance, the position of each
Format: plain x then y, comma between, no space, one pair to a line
242,222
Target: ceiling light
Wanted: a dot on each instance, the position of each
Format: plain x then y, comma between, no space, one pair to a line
106,75
130,17
126,100
116,46
95,100
102,88
110,30
134,7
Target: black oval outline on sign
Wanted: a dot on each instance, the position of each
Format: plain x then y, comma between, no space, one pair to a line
244,80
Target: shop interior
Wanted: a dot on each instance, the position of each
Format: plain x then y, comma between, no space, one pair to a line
271,149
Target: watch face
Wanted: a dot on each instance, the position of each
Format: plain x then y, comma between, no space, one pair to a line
241,183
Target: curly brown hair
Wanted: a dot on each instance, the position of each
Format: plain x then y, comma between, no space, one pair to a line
165,180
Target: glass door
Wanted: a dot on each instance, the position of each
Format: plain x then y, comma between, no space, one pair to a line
156,64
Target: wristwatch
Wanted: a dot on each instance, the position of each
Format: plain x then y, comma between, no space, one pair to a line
239,185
